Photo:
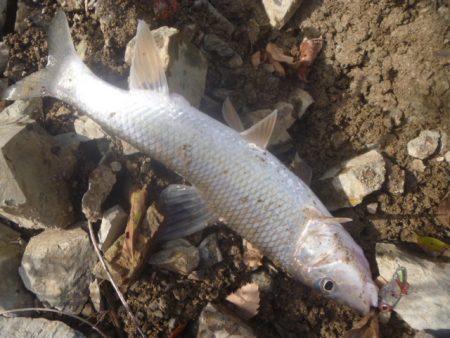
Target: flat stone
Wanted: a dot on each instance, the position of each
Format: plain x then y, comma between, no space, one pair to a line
178,256
56,266
424,145
210,253
217,321
23,327
426,305
88,129
34,171
347,184
280,11
183,62
13,294
113,225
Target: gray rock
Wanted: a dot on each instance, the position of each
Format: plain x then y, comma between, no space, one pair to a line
212,43
13,295
4,53
396,180
280,11
263,280
424,145
56,266
23,327
426,306
348,183
113,225
95,295
184,63
178,256
217,321
210,253
88,129
372,208
301,100
34,192
101,181
220,23
447,156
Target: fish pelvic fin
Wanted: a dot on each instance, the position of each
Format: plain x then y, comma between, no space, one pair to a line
61,60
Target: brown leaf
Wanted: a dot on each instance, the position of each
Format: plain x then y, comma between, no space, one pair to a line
246,299
256,59
277,54
443,211
309,49
252,257
367,327
138,201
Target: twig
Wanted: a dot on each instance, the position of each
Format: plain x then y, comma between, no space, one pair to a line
116,288
39,309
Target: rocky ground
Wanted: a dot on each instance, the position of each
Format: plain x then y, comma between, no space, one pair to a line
371,121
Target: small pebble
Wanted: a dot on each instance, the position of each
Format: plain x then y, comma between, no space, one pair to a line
372,208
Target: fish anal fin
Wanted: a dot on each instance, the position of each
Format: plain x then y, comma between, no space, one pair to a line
261,132
186,212
231,116
147,71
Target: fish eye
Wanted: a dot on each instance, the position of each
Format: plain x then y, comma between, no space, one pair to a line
327,285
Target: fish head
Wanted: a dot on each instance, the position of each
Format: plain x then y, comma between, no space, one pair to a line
327,259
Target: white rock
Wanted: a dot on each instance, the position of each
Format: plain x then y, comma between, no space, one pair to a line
87,129
424,145
447,156
56,266
372,208
183,62
13,295
113,225
210,253
217,321
34,192
23,327
178,256
347,184
280,11
426,307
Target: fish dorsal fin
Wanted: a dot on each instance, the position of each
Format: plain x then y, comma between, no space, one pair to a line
261,132
231,116
147,71
314,214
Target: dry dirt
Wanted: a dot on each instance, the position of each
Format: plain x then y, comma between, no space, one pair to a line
379,80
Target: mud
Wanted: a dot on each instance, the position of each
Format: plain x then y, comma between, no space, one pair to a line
377,83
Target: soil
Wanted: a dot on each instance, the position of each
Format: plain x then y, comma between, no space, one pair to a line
380,79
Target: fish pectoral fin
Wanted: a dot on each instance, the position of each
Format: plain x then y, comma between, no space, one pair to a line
147,71
231,116
314,214
261,132
186,212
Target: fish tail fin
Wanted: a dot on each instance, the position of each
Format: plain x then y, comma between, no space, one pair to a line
63,62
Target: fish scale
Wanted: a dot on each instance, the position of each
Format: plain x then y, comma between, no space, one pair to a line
242,183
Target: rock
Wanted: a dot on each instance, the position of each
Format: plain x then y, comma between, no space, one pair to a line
348,183
280,11
113,225
338,139
396,180
447,156
13,295
101,181
301,100
88,129
34,172
263,280
424,145
177,256
4,53
184,63
23,327
56,266
212,43
417,165
426,306
235,61
218,22
69,140
209,251
217,321
95,295
372,208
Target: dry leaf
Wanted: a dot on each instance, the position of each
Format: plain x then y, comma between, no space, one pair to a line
252,257
138,201
246,300
309,49
367,327
278,55
256,59
279,70
443,211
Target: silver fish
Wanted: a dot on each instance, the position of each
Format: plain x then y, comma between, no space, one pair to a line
233,177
